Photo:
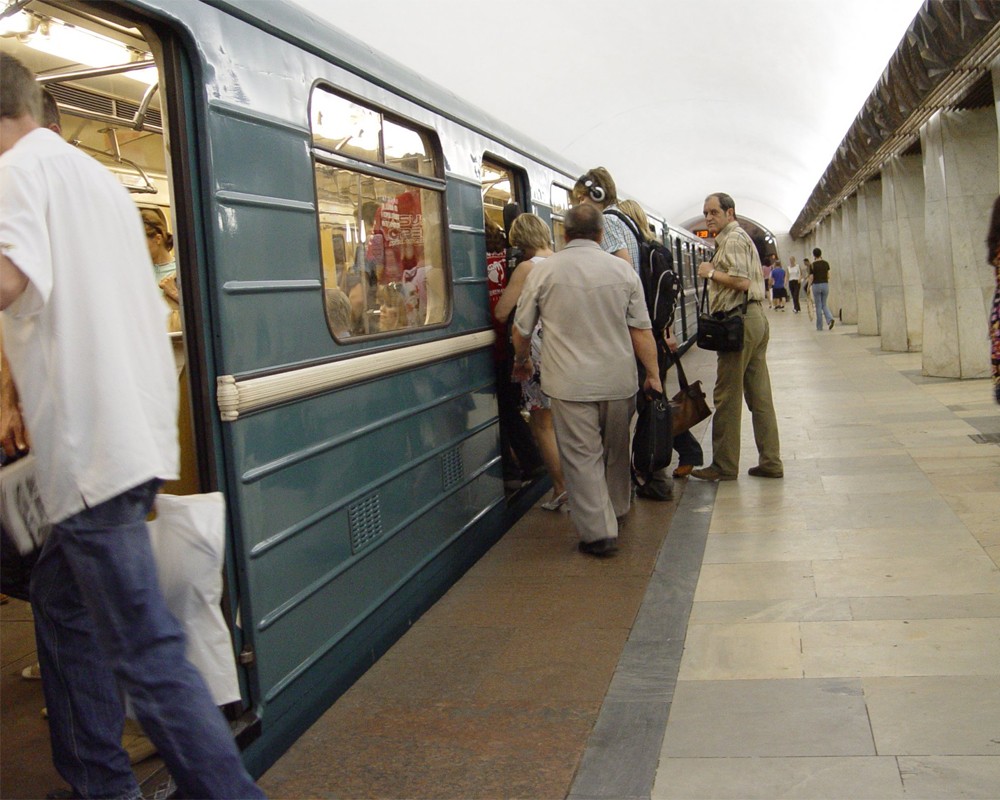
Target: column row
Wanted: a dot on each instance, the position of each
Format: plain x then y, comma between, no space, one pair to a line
908,250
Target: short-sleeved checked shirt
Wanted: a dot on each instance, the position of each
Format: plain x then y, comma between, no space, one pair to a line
617,236
736,255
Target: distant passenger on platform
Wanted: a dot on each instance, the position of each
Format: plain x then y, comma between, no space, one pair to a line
596,325
778,290
80,316
765,268
821,289
734,276
794,283
531,236
993,254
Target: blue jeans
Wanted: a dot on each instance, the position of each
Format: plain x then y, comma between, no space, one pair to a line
821,291
100,623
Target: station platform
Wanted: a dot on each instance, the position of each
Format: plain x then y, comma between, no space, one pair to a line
835,634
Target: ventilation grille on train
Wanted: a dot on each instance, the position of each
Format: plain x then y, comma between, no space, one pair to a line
366,522
101,104
452,471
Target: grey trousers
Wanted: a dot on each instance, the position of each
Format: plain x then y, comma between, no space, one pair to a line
593,440
744,376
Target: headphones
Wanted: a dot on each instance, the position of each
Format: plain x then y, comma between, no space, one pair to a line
597,193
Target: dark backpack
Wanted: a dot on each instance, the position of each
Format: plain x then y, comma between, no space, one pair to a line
660,283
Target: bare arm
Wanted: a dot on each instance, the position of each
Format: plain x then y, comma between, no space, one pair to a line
740,284
645,350
523,368
13,435
508,300
623,254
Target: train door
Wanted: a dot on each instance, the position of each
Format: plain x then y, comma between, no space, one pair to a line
106,76
560,205
505,193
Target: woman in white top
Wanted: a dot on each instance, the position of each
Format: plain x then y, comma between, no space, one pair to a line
532,236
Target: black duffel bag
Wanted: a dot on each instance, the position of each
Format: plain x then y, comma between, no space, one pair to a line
653,441
721,331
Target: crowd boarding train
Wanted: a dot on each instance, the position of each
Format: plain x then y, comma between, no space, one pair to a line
336,356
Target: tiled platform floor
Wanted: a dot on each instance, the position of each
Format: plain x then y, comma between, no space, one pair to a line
832,635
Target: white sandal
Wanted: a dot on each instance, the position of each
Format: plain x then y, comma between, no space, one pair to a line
556,503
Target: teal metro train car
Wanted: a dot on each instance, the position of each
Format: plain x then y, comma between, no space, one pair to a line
334,351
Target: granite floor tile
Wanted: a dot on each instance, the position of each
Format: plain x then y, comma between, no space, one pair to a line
949,777
960,573
753,651
815,609
813,778
913,541
900,648
733,548
768,718
925,607
919,716
756,581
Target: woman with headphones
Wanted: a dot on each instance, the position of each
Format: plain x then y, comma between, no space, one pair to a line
596,187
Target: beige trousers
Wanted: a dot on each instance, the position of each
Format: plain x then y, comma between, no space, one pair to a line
740,376
593,441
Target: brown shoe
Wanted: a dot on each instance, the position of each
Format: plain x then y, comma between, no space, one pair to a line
711,474
683,470
758,472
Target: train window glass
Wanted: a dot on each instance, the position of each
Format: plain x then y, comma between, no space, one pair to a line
560,205
498,191
381,229
345,127
407,149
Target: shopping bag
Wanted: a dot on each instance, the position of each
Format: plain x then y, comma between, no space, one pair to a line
188,539
23,526
688,407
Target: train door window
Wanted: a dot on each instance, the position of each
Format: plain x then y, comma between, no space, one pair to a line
380,199
560,205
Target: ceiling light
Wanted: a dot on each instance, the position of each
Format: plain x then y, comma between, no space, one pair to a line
84,47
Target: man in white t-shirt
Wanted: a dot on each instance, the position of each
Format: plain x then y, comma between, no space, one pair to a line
85,333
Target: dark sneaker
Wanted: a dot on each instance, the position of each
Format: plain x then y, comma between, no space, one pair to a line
830,325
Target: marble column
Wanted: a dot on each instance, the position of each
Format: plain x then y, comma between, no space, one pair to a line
960,183
868,256
843,279
902,299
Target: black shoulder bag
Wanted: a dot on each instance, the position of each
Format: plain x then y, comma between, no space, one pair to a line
723,330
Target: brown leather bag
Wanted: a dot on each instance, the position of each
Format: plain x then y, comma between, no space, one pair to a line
688,406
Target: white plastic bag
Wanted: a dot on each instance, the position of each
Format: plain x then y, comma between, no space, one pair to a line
188,538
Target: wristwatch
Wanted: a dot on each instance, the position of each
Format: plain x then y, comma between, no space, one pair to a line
711,274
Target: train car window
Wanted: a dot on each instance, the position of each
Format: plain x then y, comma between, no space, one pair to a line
381,220
560,205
